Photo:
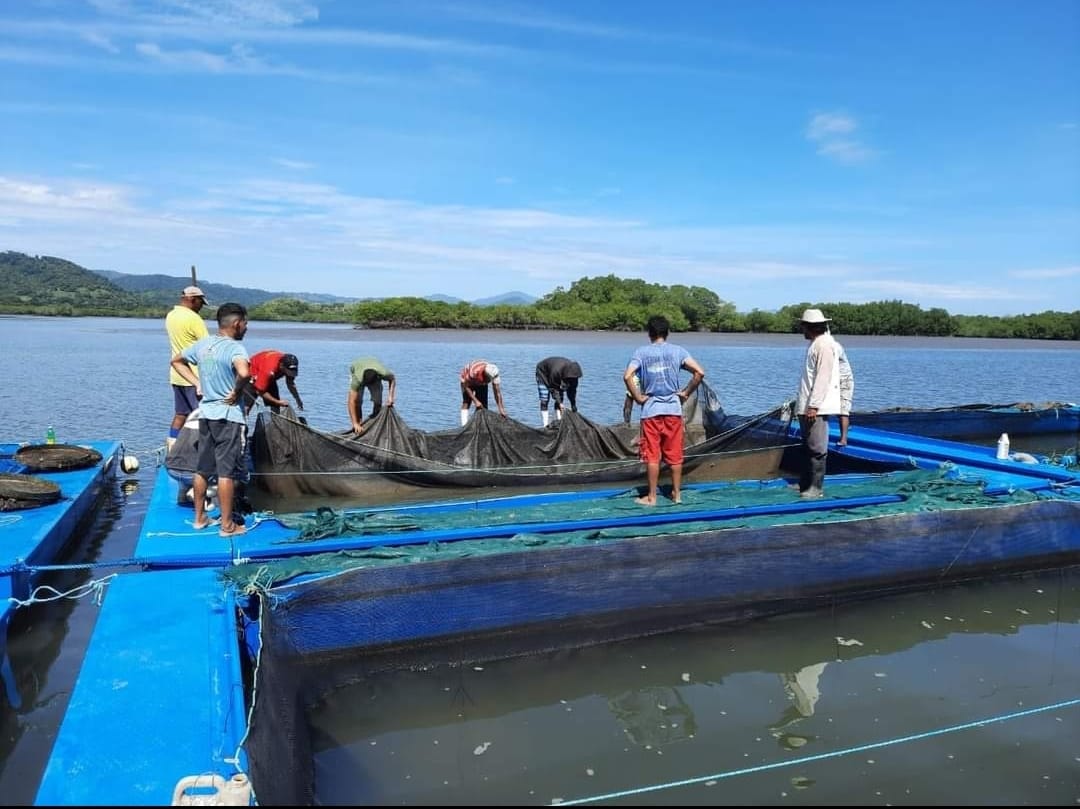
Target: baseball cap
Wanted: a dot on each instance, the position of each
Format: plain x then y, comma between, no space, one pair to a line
194,292
492,370
290,365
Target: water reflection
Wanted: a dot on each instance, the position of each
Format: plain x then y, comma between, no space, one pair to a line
737,699
654,716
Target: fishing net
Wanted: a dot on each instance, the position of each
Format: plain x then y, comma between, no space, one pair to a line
56,457
392,462
19,491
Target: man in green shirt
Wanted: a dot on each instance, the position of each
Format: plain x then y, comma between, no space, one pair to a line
369,373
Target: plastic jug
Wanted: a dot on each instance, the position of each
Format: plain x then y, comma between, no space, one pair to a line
50,435
212,790
1003,447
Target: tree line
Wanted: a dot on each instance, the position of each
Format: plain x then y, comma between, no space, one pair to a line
53,286
609,303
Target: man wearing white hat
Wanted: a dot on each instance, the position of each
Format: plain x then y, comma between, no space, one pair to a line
818,398
185,327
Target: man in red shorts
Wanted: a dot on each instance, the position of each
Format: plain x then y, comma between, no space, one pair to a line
657,366
267,367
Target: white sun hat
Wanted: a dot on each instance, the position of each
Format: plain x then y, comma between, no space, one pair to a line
815,316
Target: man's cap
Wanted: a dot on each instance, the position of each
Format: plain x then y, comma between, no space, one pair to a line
289,364
194,292
815,316
492,370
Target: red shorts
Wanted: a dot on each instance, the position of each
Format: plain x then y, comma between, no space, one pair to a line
662,437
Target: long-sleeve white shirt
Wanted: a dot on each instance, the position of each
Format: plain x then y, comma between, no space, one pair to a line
819,386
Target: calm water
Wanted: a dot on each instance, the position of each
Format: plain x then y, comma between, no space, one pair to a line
625,716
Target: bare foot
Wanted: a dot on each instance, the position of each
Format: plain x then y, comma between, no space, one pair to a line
677,501
645,501
206,523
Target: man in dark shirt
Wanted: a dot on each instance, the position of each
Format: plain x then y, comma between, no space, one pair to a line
556,377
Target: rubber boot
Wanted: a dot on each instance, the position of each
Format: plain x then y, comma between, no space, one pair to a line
816,488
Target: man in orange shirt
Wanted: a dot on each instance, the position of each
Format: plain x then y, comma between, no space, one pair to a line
475,378
267,367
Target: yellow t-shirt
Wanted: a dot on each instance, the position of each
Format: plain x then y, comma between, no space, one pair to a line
184,327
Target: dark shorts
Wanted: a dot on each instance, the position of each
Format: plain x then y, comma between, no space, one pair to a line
221,449
481,394
545,394
184,399
662,438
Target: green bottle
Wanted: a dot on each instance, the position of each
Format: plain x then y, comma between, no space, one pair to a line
50,435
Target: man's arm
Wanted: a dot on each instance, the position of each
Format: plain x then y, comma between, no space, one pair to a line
243,374
290,383
356,405
633,389
691,365
391,392
824,369
183,367
498,397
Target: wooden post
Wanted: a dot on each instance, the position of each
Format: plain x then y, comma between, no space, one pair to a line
194,280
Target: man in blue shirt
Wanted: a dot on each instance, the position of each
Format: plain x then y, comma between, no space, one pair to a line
223,374
657,367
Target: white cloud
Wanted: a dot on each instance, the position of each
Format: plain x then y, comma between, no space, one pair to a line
100,41
215,12
914,290
836,137
1049,272
295,165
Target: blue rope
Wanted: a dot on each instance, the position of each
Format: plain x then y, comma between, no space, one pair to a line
836,753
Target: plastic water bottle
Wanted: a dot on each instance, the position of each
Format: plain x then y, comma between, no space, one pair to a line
1003,447
50,435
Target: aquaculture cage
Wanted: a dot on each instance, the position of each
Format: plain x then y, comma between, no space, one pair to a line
320,622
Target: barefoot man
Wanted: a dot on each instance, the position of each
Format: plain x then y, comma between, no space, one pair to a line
657,366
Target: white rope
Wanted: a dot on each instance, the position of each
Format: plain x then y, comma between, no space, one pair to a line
95,588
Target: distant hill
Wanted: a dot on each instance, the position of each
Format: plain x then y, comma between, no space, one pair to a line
49,285
164,290
508,298
54,286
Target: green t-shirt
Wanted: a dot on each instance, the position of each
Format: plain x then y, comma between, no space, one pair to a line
360,368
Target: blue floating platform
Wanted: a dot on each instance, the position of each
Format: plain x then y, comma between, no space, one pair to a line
161,691
159,697
31,537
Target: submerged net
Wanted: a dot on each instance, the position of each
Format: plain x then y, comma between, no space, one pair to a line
328,620
390,459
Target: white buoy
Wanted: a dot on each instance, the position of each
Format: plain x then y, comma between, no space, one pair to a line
130,464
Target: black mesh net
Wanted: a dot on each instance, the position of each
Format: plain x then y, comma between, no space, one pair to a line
391,461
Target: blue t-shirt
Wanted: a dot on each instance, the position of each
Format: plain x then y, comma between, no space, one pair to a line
214,355
658,366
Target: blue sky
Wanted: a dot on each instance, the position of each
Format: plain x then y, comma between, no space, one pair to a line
773,152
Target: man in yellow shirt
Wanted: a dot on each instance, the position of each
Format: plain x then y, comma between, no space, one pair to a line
185,327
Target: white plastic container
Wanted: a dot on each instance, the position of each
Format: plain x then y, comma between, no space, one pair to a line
1003,447
212,790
